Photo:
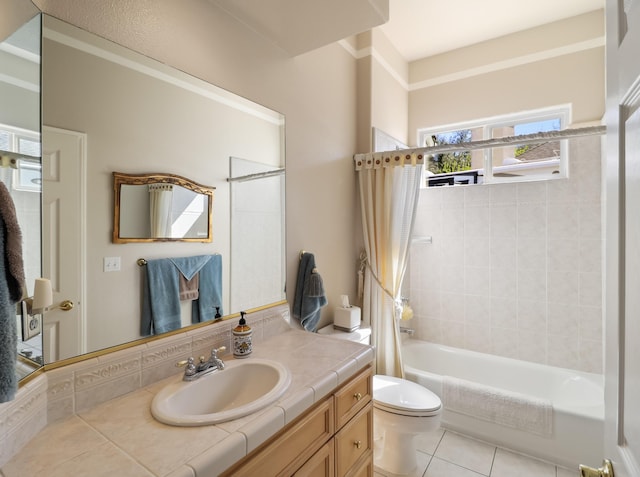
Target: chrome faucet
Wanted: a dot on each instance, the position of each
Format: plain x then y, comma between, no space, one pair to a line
193,371
408,331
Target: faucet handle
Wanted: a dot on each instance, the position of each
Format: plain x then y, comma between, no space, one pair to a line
215,351
184,362
190,369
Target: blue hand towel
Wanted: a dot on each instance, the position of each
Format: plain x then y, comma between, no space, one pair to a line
161,293
189,266
210,291
306,308
160,298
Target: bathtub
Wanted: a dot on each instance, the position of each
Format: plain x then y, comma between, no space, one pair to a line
576,398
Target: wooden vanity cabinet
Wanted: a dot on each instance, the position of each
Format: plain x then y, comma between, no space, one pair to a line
333,439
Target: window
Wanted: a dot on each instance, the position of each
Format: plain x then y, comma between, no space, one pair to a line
27,175
513,162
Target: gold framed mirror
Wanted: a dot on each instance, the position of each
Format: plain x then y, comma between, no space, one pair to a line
161,208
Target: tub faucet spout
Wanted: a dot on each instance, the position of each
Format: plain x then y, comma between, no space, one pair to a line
408,331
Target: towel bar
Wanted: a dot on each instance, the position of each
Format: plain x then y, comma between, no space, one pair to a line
141,261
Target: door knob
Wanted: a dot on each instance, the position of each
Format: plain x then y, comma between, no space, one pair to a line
65,305
605,471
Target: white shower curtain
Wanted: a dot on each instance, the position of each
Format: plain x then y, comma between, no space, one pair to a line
389,187
160,199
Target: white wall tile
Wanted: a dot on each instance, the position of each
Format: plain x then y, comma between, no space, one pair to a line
532,253
532,192
522,260
477,222
503,221
477,280
532,285
504,283
503,253
532,315
504,312
591,289
564,287
563,221
564,255
563,351
532,220
477,309
504,194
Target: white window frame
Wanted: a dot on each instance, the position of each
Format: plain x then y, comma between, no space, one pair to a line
24,168
562,112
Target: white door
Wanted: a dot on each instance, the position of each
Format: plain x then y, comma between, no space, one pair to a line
63,162
622,286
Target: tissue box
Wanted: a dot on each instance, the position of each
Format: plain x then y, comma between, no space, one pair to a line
347,318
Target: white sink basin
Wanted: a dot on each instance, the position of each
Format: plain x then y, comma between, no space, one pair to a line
242,387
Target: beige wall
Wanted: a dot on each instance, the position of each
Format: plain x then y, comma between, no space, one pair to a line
315,91
547,66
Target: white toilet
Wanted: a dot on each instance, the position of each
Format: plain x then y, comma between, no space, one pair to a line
402,409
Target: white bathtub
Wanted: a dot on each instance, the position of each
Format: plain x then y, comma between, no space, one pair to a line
577,400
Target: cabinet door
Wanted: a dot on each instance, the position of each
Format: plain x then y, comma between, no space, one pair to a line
364,468
354,441
293,448
321,464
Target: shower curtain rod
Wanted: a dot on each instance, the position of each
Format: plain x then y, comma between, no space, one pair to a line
498,142
257,175
15,155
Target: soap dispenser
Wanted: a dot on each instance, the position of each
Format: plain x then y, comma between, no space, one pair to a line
242,338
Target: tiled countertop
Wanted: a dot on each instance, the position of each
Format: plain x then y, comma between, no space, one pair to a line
121,437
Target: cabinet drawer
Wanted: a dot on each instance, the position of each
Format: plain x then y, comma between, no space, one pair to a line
353,396
354,441
320,465
295,446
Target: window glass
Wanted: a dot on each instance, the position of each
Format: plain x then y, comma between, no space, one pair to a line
506,163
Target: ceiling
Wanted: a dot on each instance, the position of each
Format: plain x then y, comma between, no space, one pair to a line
422,28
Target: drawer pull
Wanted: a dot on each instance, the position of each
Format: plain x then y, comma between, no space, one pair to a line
357,396
357,444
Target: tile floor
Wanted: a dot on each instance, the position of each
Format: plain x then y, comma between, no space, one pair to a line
444,453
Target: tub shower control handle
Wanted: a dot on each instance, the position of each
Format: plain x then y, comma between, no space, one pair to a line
357,396
605,471
357,444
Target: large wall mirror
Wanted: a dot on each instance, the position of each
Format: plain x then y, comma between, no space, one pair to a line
20,152
106,108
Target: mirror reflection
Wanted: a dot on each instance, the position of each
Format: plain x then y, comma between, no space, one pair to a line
106,108
161,207
20,167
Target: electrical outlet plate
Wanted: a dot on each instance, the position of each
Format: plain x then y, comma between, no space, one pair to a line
31,324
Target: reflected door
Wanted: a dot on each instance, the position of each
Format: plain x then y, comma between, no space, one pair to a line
63,154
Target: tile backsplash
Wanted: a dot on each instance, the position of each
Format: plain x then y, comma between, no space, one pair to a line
515,269
62,392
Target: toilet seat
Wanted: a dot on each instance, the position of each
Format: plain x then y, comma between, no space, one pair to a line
403,397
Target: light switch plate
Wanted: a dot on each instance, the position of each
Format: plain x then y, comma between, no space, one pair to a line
111,264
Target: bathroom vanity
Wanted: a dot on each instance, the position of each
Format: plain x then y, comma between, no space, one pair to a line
333,438
322,425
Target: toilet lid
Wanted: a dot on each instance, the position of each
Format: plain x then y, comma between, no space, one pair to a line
404,397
